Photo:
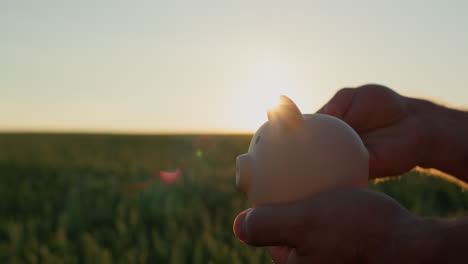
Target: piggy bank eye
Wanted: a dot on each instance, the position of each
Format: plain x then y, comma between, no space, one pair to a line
257,139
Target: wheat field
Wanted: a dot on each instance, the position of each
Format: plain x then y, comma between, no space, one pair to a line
83,198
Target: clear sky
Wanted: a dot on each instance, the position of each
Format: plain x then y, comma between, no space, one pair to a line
214,66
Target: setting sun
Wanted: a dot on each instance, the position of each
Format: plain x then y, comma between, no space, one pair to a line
260,93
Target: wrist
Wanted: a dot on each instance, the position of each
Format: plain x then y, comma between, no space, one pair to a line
443,141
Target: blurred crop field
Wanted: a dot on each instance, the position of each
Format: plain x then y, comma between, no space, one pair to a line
67,198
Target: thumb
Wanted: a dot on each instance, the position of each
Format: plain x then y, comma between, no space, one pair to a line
270,226
339,104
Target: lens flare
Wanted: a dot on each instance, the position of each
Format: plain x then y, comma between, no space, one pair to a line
170,177
166,177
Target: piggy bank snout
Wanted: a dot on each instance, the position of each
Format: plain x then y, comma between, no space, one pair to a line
243,171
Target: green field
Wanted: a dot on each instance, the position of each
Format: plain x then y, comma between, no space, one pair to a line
68,198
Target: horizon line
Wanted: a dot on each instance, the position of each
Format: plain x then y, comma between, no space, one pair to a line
124,132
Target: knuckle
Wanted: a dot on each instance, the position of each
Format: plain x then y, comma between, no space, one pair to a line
377,88
344,91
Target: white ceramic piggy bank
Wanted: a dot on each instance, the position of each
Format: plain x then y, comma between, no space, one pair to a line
294,156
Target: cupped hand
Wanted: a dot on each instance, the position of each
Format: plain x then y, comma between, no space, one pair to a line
392,131
342,226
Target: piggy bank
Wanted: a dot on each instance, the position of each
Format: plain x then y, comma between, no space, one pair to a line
294,156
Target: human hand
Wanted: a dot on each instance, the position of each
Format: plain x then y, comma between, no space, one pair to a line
342,226
390,128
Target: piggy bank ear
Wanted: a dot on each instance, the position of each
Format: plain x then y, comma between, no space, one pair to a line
286,114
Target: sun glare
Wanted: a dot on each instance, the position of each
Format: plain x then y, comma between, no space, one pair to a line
260,93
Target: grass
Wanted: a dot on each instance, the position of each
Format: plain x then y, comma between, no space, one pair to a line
68,198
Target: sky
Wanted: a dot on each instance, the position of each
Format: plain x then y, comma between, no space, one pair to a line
215,66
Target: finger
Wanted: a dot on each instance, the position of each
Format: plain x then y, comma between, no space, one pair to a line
375,167
238,226
280,225
279,254
339,104
293,258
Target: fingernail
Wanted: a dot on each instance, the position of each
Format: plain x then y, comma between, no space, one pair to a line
239,227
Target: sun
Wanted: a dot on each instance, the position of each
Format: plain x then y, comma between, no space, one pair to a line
260,93
263,98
